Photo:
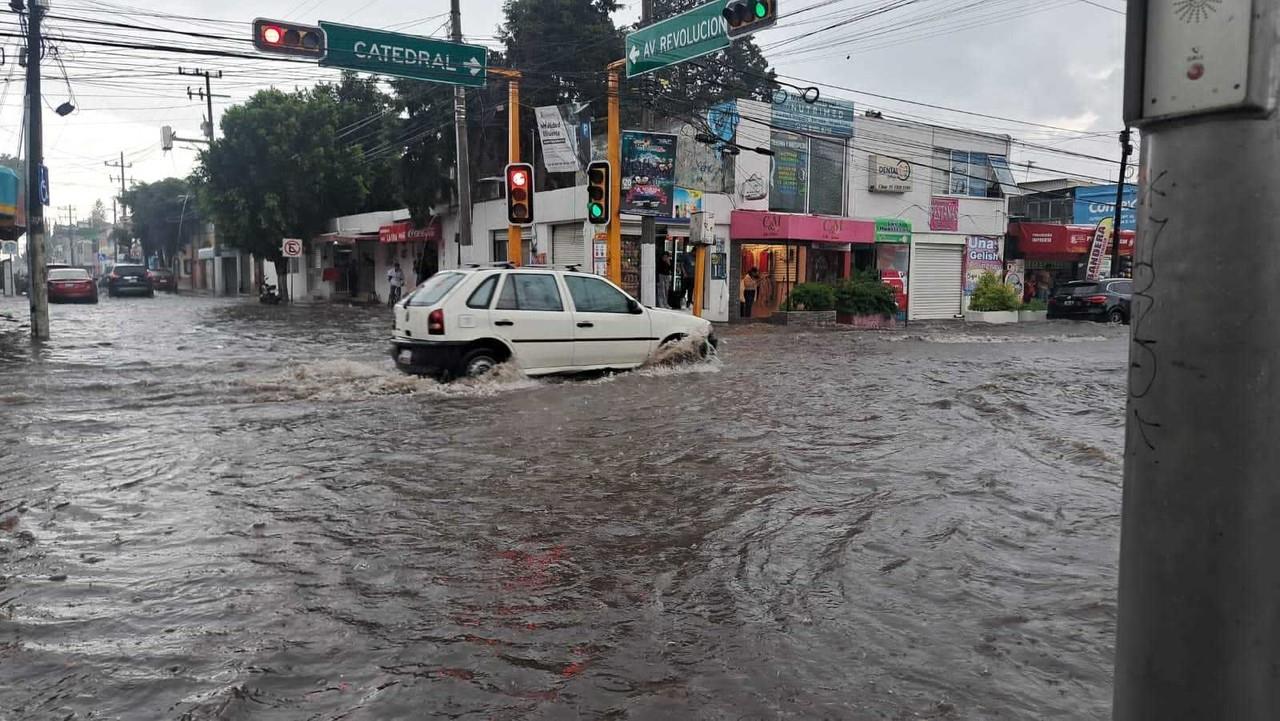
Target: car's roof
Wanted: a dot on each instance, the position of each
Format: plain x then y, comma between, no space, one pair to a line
521,269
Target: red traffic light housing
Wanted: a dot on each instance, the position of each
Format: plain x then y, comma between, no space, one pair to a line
599,197
744,17
282,38
519,193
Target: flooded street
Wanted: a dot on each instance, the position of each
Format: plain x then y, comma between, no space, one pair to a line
212,509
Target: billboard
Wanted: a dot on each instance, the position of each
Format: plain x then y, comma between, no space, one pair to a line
648,173
1094,203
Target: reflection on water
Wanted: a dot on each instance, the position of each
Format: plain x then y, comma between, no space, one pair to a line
217,510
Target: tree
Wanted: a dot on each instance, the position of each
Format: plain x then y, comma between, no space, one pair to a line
368,121
98,215
279,171
739,72
424,145
160,211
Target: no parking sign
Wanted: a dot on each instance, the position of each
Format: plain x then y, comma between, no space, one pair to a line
291,248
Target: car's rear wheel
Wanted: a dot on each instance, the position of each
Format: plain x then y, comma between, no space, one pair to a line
1116,315
478,363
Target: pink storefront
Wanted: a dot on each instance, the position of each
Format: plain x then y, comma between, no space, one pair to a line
786,249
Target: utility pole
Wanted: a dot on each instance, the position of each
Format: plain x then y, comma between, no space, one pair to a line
1198,635
460,137
38,291
1126,148
71,239
648,228
206,94
122,166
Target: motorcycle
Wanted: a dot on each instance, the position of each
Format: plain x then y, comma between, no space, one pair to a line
267,294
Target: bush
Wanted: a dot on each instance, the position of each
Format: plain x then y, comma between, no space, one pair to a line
811,296
993,295
1035,304
864,294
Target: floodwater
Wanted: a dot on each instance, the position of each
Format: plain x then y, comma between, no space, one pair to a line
211,509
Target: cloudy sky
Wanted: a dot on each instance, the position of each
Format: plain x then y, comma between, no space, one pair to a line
1049,62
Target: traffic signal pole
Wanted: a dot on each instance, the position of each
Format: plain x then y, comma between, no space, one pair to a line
614,241
37,290
461,141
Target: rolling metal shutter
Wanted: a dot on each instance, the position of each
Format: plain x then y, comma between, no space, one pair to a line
567,245
936,282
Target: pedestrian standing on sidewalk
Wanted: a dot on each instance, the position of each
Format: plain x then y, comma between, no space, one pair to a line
395,281
686,277
665,269
747,292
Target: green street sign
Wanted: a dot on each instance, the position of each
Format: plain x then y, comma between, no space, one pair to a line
893,230
686,36
405,56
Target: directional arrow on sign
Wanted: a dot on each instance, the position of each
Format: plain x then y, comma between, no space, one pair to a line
634,55
474,65
686,36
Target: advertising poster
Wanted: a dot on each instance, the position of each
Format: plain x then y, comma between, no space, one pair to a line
1092,204
1098,248
981,255
687,201
790,187
648,173
1015,272
559,139
944,214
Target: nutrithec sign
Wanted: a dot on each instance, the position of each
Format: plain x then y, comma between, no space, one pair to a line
889,175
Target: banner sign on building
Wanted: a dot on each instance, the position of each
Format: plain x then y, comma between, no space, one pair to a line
559,132
687,201
893,230
981,255
789,191
648,173
944,214
1094,203
1098,248
889,174
823,117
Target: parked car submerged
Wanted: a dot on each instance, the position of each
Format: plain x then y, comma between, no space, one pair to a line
1105,300
129,280
71,285
162,279
463,323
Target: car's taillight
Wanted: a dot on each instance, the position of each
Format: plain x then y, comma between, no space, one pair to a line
435,322
1096,299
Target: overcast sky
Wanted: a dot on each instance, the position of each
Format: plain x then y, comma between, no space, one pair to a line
1055,62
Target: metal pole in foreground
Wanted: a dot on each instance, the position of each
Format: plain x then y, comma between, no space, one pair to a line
648,227
1125,149
1199,611
37,291
614,242
515,234
460,137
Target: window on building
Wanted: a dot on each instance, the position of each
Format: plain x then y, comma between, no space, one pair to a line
500,247
977,175
826,173
789,191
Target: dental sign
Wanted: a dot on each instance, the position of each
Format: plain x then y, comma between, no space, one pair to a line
405,56
889,175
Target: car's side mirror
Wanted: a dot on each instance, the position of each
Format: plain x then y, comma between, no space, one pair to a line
634,306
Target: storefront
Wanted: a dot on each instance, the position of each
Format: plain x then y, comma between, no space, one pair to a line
893,258
1054,254
787,249
416,249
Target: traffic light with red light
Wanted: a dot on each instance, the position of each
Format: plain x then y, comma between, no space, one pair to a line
281,38
745,17
599,182
519,193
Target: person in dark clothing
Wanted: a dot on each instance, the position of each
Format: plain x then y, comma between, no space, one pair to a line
665,268
687,270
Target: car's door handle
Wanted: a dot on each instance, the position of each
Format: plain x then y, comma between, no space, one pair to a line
503,322
586,324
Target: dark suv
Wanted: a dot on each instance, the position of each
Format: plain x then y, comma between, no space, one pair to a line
129,280
1106,299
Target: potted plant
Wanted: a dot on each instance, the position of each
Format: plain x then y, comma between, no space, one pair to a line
865,302
808,304
993,301
1034,309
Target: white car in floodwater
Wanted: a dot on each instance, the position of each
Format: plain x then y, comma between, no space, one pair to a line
463,323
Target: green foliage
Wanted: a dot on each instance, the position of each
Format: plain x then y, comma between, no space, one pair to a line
811,296
98,215
865,294
279,171
369,122
993,295
741,71
157,211
1035,304
426,145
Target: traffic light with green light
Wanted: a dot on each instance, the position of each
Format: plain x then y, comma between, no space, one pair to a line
599,181
519,193
281,38
745,17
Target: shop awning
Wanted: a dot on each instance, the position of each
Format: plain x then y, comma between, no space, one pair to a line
406,232
1043,240
784,227
344,238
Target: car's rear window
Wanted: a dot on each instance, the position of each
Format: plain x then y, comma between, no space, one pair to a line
435,289
130,270
68,274
1079,289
